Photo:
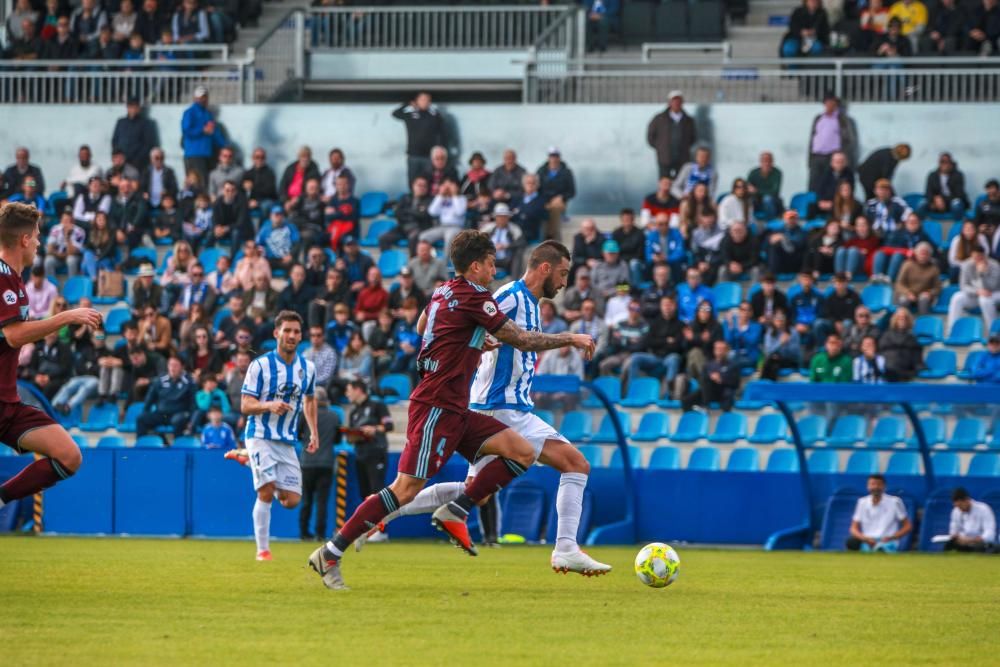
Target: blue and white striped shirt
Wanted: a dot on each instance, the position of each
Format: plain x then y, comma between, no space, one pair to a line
503,379
269,378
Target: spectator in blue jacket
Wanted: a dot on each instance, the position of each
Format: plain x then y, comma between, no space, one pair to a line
987,368
217,434
805,306
169,402
745,337
665,245
200,135
690,294
899,245
280,239
602,16
30,195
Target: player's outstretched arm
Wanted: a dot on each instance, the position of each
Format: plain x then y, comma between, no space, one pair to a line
250,405
536,341
22,333
309,410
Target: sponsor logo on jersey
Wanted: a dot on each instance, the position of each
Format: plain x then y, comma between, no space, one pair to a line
9,297
490,308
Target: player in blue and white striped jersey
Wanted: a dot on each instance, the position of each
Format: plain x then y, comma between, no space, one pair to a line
502,388
279,387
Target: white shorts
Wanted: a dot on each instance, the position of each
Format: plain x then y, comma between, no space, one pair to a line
528,425
277,462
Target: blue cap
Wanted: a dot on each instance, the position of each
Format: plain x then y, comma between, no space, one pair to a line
610,246
277,208
348,240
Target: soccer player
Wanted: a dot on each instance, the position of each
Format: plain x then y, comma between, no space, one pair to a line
455,324
278,388
502,389
23,428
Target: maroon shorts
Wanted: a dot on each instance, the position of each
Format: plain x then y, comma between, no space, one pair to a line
16,419
434,434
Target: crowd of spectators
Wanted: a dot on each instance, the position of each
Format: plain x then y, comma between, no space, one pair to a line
121,29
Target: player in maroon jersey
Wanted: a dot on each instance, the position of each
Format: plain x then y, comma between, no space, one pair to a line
455,325
24,428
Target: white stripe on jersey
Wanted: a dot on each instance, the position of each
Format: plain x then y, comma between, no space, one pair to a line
270,378
503,379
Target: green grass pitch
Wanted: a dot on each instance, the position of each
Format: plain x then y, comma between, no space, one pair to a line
68,601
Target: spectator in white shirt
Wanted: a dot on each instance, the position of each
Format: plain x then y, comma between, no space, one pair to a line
88,203
880,520
80,173
64,247
973,525
41,294
336,170
448,206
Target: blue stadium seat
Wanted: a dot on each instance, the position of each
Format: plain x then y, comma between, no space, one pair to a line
391,262
984,464
375,230
727,295
888,432
111,441
208,257
610,385
743,459
862,462
81,441
941,307
546,416
847,430
693,426
606,431
552,522
965,331
395,387
877,297
340,412
770,429
730,427
100,418
652,427
593,453
576,426
634,457
56,201
903,463
783,460
372,203
132,413
823,462
946,464
836,525
971,359
144,255
77,288
151,440
800,201
187,442
812,429
665,458
936,520
914,199
934,432
994,441
704,458
71,420
162,267
928,329
940,364
523,510
933,230
114,320
220,316
642,392
969,432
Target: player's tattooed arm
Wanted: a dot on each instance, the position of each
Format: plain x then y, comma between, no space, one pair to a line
536,341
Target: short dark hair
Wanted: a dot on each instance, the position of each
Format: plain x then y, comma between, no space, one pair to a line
358,384
549,251
16,220
879,476
833,335
38,270
960,494
287,316
470,246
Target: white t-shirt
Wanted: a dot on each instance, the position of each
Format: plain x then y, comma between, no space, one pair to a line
977,522
881,520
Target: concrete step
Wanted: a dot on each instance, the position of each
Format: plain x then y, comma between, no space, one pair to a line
272,13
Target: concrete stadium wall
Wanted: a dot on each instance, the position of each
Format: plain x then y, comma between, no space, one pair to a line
604,144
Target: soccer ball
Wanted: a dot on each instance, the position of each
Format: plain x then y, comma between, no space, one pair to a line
657,565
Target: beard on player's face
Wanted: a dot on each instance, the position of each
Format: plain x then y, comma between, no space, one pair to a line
549,288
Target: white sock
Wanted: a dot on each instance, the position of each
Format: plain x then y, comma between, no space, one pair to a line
262,525
569,505
431,498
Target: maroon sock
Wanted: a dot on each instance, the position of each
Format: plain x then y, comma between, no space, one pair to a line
496,475
369,513
38,476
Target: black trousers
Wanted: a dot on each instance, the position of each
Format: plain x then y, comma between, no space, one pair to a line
952,545
371,473
316,483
